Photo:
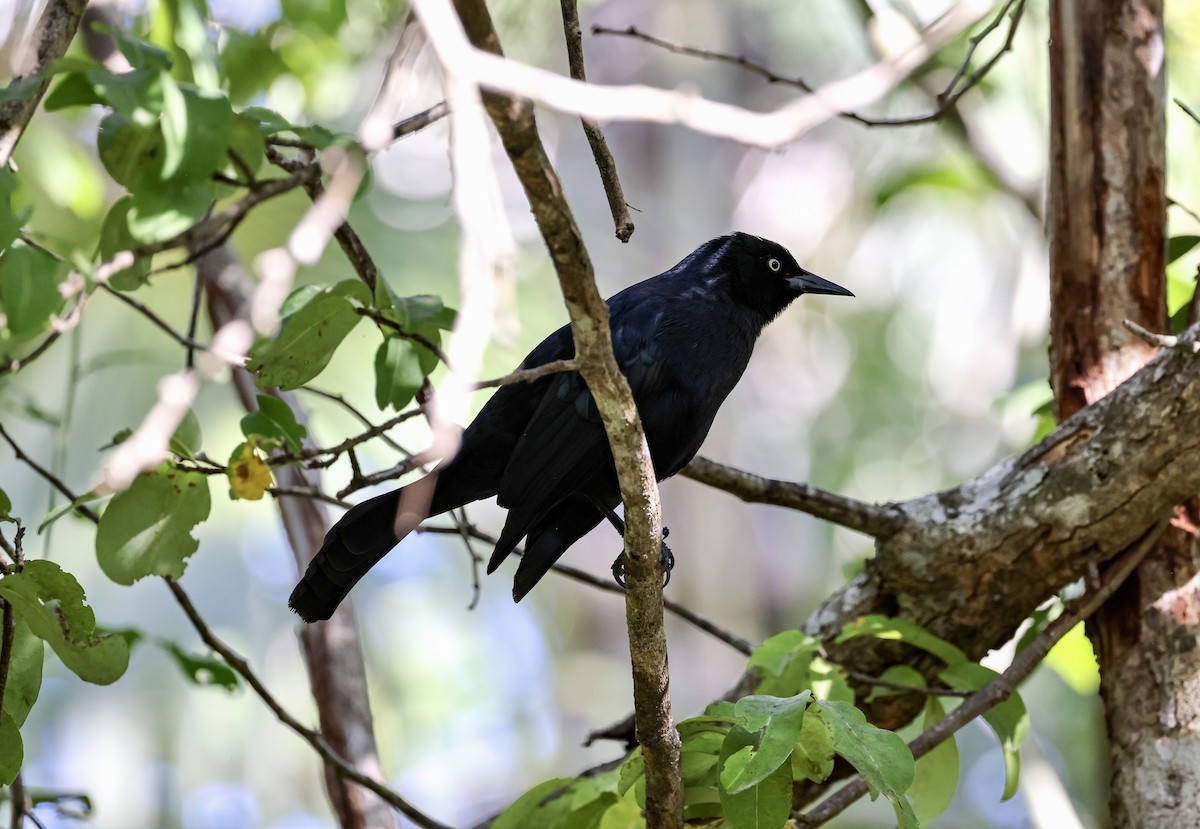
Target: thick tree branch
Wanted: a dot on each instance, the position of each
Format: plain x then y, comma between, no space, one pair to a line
972,562
1003,686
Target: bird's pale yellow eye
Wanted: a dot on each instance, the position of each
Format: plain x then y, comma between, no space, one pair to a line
774,264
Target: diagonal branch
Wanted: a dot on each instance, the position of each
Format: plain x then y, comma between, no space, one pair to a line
595,136
1003,686
872,519
49,41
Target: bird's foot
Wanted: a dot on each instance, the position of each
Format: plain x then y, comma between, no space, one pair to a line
668,564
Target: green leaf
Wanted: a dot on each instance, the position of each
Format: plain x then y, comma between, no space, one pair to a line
247,142
902,630
828,681
1074,660
186,441
204,670
140,53
54,606
268,121
906,818
146,530
812,759
10,220
137,95
24,672
937,772
114,238
423,309
632,770
780,721
778,651
127,150
28,289
398,375
901,674
6,508
1179,246
162,210
73,90
62,509
762,806
881,757
274,420
196,131
12,750
1009,720
529,812
306,341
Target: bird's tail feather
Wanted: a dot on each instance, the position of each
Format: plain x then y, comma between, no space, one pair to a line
557,530
365,534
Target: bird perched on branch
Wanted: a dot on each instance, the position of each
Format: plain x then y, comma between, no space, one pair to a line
682,338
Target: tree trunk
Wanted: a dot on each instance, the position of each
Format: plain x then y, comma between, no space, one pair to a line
1107,228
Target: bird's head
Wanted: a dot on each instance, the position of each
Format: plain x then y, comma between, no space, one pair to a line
768,277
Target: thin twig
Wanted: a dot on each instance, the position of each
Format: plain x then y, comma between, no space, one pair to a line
353,410
1163,340
688,615
310,736
1000,688
158,321
349,443
399,330
874,520
47,475
528,375
946,99
595,136
200,233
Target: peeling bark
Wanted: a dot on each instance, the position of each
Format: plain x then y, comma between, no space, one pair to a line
1108,229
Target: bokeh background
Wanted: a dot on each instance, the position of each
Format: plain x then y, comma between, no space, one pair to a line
933,373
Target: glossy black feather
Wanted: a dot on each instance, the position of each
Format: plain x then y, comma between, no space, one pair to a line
682,338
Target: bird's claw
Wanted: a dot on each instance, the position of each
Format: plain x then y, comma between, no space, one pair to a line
668,565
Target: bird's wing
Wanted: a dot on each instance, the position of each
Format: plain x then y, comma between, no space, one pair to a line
563,451
488,442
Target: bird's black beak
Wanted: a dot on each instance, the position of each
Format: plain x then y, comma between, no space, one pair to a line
810,283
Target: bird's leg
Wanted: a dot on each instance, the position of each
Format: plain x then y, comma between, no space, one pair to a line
618,565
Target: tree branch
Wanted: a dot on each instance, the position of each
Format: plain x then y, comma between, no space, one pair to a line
1003,686
331,650
48,42
593,348
595,136
946,99
875,520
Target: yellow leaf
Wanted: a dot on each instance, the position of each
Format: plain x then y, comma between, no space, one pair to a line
249,475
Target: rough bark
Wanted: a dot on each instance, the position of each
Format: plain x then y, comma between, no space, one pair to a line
971,563
1107,231
332,650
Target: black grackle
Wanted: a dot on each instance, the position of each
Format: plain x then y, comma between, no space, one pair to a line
683,338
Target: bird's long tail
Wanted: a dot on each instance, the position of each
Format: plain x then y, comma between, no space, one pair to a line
365,534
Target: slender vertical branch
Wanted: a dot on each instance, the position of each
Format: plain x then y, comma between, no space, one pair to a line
595,136
593,347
